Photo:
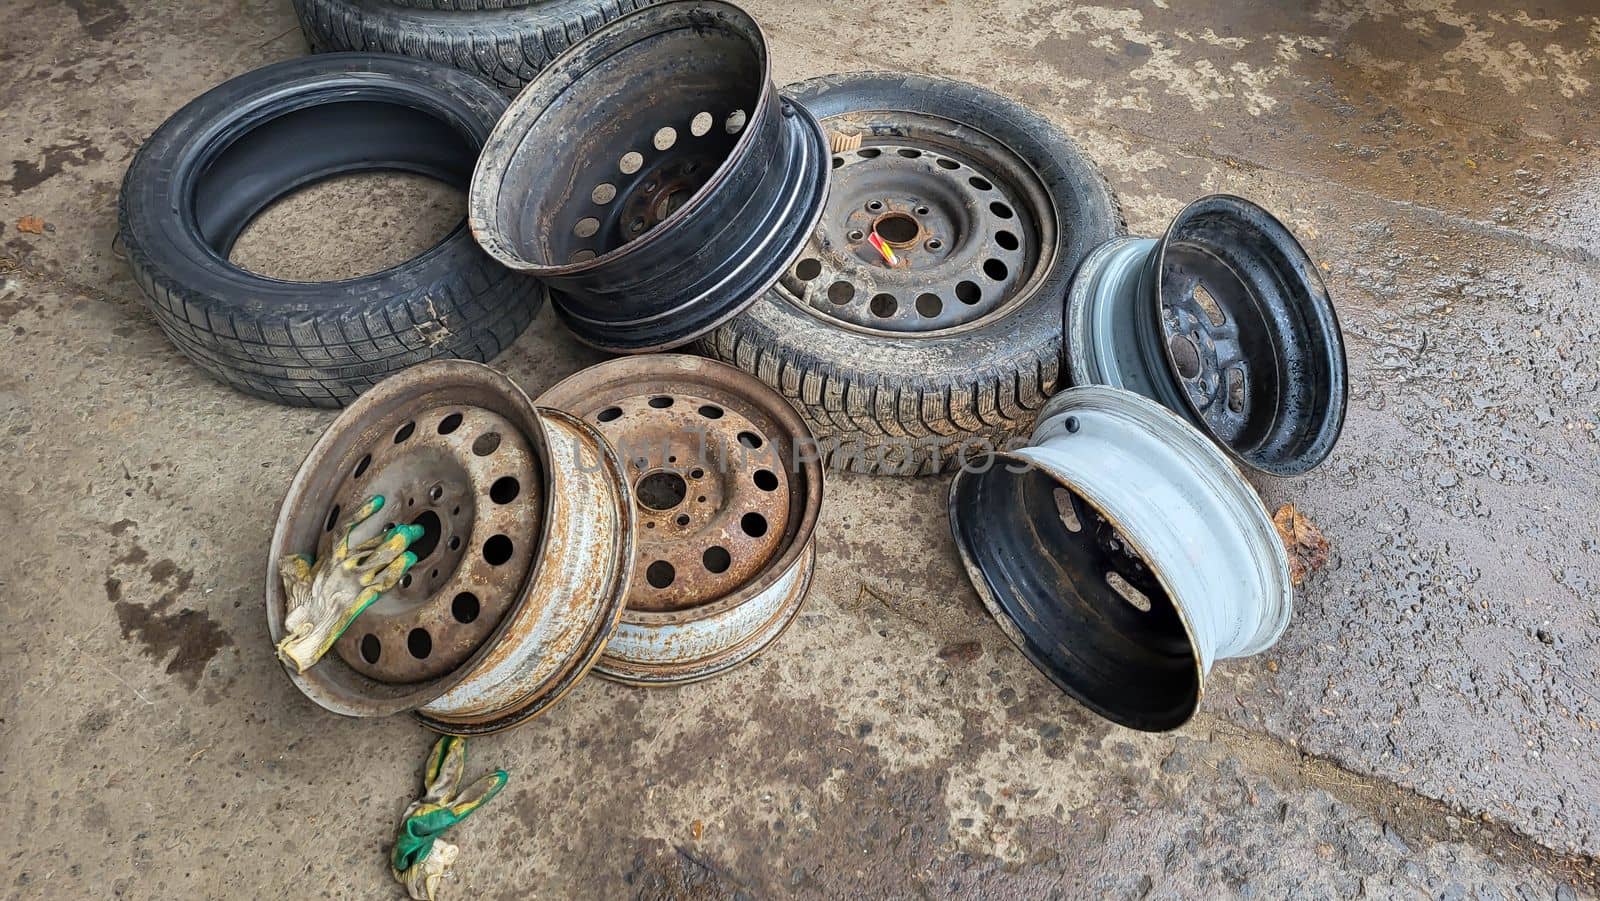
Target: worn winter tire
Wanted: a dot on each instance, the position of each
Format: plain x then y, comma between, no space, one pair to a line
227,155
507,46
882,395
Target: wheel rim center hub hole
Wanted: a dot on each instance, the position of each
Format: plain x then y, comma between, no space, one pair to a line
897,229
432,529
1185,356
661,490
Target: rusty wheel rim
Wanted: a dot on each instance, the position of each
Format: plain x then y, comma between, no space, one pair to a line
470,478
965,218
727,489
378,445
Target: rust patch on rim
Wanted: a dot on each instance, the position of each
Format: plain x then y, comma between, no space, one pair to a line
727,488
548,564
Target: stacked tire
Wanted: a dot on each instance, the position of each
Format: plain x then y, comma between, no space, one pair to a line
505,42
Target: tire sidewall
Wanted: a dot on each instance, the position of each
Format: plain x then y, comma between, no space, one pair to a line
156,229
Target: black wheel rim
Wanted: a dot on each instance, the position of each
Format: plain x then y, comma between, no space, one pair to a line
1226,321
654,215
966,220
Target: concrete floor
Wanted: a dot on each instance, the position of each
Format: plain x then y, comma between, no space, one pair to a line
1428,726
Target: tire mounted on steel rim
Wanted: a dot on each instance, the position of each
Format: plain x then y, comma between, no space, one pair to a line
988,209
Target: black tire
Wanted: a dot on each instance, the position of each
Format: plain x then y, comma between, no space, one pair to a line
465,5
227,155
906,403
505,46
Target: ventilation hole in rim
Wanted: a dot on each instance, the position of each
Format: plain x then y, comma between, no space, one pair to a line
631,162
711,411
1001,210
909,153
884,305
603,193
371,648
660,574
333,518
753,524
419,643
946,163
980,183
1007,240
497,550
1206,302
361,467
1236,389
996,270
841,292
636,226
465,608
765,479
486,444
661,490
1185,356
808,270
405,432
929,305
750,440
736,121
609,414
969,293
838,162
450,423
1067,510
583,256
661,403
1133,596
586,227
700,125
666,137
869,153
716,559
505,489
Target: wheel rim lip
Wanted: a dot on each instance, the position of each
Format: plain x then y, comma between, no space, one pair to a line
573,393
318,682
1307,294
630,660
608,335
598,633
1047,254
515,127
1188,454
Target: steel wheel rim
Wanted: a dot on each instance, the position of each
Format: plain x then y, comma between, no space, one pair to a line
657,218
601,544
715,447
1138,480
1224,320
985,230
587,565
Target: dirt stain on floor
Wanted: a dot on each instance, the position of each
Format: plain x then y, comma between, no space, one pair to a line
185,638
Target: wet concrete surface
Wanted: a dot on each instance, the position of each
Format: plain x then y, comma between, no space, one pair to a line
1427,726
